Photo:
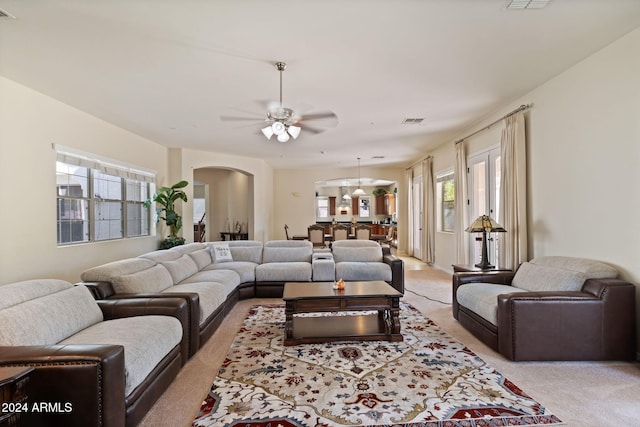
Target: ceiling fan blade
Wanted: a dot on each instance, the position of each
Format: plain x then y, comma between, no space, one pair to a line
242,119
324,119
316,116
307,128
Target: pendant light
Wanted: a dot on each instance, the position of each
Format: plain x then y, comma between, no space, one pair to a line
359,191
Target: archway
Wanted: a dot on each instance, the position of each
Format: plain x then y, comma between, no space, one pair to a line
225,197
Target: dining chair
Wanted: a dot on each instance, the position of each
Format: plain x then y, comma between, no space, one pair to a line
363,232
316,235
340,232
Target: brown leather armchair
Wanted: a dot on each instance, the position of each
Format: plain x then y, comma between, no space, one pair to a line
594,322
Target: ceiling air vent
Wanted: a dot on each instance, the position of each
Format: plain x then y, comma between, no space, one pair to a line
527,4
412,121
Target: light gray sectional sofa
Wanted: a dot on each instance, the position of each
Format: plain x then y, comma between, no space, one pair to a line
213,276
108,360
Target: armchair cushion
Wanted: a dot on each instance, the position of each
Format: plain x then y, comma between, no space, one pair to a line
536,278
482,299
559,273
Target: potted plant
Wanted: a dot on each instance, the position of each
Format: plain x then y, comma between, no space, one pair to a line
165,198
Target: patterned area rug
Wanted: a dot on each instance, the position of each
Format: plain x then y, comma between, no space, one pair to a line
429,380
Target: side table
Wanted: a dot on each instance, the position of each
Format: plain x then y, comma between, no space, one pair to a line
457,268
13,396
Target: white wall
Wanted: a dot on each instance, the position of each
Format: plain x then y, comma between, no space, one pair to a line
29,124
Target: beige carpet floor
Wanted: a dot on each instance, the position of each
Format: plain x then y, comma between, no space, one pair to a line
582,394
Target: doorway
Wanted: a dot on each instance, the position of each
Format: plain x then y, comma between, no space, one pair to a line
484,199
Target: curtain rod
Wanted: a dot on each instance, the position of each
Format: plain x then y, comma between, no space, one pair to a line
417,162
523,107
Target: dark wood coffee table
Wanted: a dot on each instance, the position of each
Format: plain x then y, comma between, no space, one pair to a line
317,297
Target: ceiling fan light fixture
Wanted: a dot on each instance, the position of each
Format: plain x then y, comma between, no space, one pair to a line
283,137
278,128
268,132
294,131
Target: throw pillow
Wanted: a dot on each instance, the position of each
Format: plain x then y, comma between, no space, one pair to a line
221,252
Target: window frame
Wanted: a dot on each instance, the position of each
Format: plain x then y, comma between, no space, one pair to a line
445,205
128,225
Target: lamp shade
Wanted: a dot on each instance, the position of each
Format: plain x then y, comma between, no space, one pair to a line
278,128
268,132
294,131
484,223
359,192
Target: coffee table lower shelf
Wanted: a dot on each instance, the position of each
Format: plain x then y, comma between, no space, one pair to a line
319,329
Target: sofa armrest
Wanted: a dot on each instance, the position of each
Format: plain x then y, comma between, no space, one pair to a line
87,380
397,271
463,278
100,290
104,291
174,307
595,324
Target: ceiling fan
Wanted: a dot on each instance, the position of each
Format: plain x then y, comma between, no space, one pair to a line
284,122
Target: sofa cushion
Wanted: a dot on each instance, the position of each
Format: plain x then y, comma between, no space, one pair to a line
356,251
211,296
590,268
535,278
220,252
482,298
201,257
161,255
189,247
284,272
181,268
246,270
106,272
146,341
154,279
50,318
287,251
355,271
246,250
19,292
229,278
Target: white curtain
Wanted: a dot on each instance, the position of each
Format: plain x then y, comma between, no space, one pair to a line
428,209
461,196
408,177
513,193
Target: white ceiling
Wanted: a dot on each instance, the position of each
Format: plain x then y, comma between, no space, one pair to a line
168,69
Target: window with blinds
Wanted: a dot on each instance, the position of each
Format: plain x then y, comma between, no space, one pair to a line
99,200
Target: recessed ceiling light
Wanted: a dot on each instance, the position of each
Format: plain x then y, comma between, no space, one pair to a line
527,4
378,157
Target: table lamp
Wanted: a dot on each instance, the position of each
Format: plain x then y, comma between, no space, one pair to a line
485,224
